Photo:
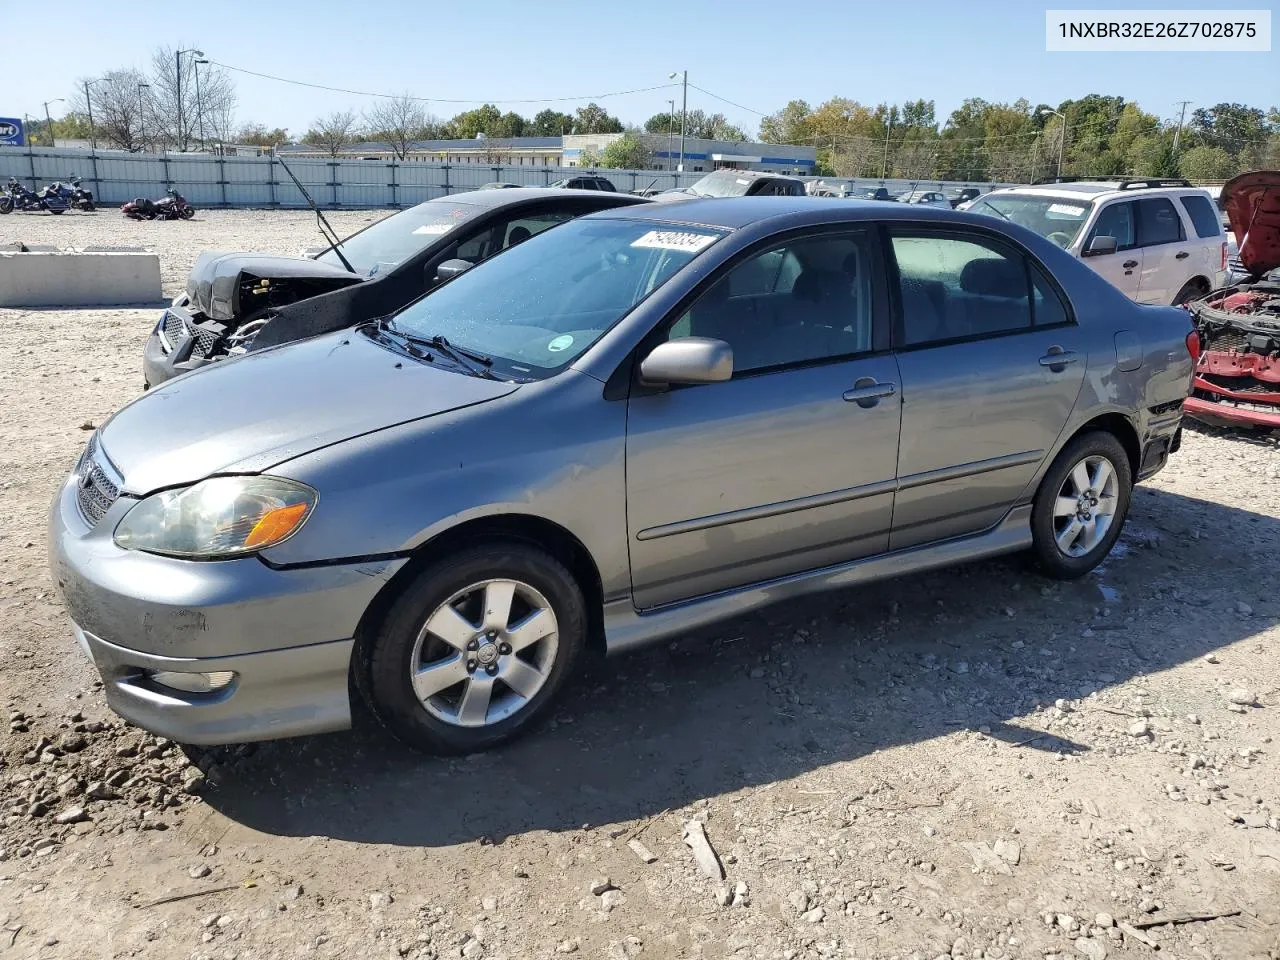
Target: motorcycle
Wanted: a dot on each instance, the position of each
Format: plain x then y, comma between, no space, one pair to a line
73,195
172,206
17,197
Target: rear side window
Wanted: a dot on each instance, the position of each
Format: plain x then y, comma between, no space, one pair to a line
954,288
1047,307
1158,222
1203,216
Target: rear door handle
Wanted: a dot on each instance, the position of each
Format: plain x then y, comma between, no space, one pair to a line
1129,264
867,392
1182,256
1058,359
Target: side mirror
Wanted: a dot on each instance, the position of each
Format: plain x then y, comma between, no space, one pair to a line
688,360
1100,245
451,268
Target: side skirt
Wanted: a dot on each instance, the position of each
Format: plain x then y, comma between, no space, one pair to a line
626,628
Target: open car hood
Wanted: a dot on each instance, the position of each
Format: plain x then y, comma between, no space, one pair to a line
214,285
1252,201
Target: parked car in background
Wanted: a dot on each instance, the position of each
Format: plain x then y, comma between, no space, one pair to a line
737,183
236,300
1238,372
963,195
584,183
630,426
927,198
1158,241
498,185
871,193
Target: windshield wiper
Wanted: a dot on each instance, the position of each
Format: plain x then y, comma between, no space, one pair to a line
999,213
470,360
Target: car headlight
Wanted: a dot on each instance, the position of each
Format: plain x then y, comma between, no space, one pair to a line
217,518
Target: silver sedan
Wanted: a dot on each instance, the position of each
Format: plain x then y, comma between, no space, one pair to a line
626,427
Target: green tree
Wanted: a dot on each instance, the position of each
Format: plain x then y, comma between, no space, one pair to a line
1208,163
628,152
485,119
593,118
257,135
549,123
791,124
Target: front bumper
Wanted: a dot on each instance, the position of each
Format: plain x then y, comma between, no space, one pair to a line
162,360
276,693
285,633
1226,413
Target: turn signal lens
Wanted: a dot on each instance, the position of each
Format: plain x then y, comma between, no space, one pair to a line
276,525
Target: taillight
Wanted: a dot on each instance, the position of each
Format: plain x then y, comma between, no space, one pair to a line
1193,345
1224,256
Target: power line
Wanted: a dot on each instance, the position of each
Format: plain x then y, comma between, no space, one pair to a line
393,96
716,96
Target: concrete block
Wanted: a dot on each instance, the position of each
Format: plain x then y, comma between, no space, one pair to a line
74,279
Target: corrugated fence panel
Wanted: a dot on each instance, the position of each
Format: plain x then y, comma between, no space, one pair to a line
116,177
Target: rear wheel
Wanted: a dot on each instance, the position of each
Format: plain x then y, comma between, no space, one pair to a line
87,206
1191,290
6,204
1081,506
475,648
188,213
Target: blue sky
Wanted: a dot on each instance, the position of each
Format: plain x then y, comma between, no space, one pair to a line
754,53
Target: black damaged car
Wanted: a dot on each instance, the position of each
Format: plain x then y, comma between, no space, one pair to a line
241,301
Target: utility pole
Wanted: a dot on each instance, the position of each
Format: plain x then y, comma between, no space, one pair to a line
199,106
884,164
671,127
177,80
684,113
1177,135
88,103
142,117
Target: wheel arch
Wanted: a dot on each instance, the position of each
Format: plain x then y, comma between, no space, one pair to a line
1118,425
510,527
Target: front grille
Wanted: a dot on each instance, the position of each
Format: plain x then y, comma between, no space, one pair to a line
95,490
174,329
205,341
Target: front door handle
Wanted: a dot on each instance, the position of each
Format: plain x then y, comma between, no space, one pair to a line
1182,256
1129,264
867,392
1057,359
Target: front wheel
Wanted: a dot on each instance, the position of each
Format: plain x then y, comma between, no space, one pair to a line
475,649
1081,505
6,204
188,212
87,206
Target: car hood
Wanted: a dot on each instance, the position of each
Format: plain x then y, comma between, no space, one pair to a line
251,413
213,286
1252,202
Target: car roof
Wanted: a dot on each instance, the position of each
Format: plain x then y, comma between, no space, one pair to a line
733,213
1093,190
501,198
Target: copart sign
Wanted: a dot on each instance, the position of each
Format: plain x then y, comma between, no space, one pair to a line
11,132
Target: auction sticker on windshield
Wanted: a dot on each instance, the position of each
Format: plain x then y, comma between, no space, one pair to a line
1066,209
434,229
560,343
674,240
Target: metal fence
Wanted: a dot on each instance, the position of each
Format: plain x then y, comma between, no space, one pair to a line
216,181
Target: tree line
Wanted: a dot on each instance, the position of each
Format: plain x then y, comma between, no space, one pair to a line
179,102
1094,136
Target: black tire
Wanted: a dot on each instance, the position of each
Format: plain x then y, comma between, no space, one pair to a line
55,212
1191,290
188,213
87,206
6,204
385,656
1050,558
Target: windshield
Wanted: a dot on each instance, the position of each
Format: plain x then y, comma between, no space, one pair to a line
722,183
390,242
537,306
1054,218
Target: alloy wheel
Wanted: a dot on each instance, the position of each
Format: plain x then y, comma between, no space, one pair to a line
483,654
1085,506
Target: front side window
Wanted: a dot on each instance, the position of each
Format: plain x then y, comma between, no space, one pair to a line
807,300
954,287
1117,221
1158,222
543,302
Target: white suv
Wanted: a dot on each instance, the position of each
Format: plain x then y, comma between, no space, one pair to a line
1159,241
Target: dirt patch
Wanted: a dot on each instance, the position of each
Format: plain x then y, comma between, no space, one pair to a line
973,763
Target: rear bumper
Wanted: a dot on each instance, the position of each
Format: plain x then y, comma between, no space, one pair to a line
275,693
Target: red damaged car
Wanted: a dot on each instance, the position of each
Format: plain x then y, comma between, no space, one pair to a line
1237,380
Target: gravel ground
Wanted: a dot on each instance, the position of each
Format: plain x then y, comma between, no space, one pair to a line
974,763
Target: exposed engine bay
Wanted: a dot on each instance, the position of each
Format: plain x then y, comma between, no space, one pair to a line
1237,378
